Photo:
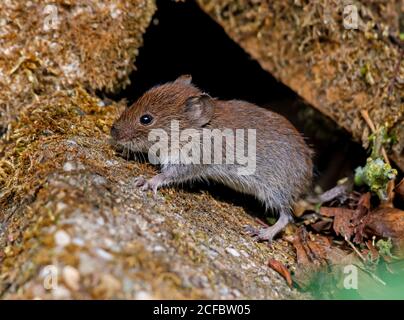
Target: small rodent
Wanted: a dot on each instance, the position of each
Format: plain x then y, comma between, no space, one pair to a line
283,160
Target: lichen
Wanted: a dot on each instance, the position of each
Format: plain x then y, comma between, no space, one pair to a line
376,174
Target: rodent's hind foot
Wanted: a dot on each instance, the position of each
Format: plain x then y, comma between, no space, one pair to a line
269,233
261,234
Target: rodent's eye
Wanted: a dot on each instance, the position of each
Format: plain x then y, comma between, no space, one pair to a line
146,119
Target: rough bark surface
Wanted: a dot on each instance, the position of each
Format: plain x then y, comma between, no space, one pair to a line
339,71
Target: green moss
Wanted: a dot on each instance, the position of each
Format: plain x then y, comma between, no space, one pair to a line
385,247
375,174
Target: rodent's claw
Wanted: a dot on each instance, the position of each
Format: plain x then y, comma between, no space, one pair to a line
146,185
267,234
251,230
262,234
140,181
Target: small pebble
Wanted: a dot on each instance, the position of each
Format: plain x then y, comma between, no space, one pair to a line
110,284
71,142
71,277
78,242
62,238
236,293
60,206
111,162
245,254
224,291
100,221
143,295
87,264
109,243
69,166
60,293
233,252
103,254
99,180
158,249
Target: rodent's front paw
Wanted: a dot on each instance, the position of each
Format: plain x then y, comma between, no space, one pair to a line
146,184
140,182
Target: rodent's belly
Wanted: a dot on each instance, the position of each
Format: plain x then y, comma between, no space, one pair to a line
230,177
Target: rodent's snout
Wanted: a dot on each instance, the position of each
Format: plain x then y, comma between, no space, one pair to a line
114,132
120,132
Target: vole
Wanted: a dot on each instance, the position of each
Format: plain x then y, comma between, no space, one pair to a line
283,164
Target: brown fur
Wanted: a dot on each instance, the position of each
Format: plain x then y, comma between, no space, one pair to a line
283,160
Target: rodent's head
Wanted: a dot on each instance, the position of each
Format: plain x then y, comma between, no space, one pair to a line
155,109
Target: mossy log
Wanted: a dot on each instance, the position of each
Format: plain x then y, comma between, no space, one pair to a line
48,46
339,67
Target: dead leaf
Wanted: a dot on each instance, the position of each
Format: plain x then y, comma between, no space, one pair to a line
387,223
359,218
322,225
342,220
349,222
337,192
306,268
314,254
281,269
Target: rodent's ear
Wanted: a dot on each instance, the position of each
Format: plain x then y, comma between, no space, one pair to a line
199,109
184,79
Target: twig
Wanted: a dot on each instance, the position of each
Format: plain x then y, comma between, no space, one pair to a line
262,223
333,193
355,249
19,63
369,122
375,277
